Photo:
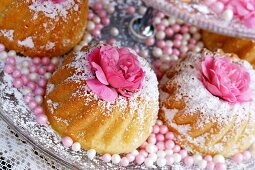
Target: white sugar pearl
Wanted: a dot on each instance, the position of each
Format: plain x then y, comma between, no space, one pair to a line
83,43
177,157
184,49
186,36
150,148
161,154
172,21
197,36
169,43
142,10
161,162
26,91
202,164
159,122
55,60
135,152
164,67
77,48
218,159
47,75
148,162
110,9
153,156
197,158
91,25
174,57
91,154
184,42
227,15
114,31
18,66
116,158
87,37
160,35
96,20
157,52
33,76
38,99
196,49
193,29
169,152
25,63
144,53
12,53
157,20
200,44
24,71
165,22
76,146
166,58
3,55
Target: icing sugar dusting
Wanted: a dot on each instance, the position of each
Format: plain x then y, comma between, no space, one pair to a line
28,42
8,34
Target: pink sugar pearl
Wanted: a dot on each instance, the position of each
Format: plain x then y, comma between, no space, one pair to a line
38,110
45,61
160,145
167,51
137,50
246,155
184,29
152,140
39,91
237,158
169,159
42,82
33,69
177,43
143,145
163,129
17,83
25,79
105,21
178,37
96,33
9,69
11,60
176,28
31,85
28,98
90,15
156,129
131,9
36,60
67,141
16,74
149,41
106,157
188,160
102,13
41,119
160,137
51,67
176,52
2,47
143,152
161,44
176,148
220,166
208,158
99,26
32,105
139,159
160,27
97,6
169,144
124,162
160,15
169,32
169,135
130,157
111,41
210,165
41,70
217,7
183,153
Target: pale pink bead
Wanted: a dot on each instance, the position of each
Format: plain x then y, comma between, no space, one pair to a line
176,52
152,140
237,158
105,21
155,129
149,41
33,69
169,144
217,7
161,44
32,104
96,33
28,98
160,27
178,37
176,148
97,6
177,43
220,166
160,145
208,158
192,41
17,83
169,135
67,141
139,159
16,73
9,68
143,145
31,85
169,159
39,91
41,70
124,162
38,110
41,119
188,160
131,9
191,46
246,155
11,60
167,50
163,129
2,47
45,60
135,152
160,137
42,82
130,157
99,26
90,15
36,60
169,32
101,13
176,28
25,79
183,153
210,165
160,15
184,29
143,152
51,67
106,157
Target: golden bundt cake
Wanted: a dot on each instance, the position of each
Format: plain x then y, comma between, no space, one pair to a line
243,48
111,122
206,100
39,28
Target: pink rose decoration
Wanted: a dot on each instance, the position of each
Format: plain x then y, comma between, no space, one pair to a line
116,70
225,79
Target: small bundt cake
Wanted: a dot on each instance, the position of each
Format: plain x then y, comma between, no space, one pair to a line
207,100
39,28
243,48
104,97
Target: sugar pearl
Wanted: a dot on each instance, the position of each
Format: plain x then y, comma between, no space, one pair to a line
169,144
67,141
237,158
157,20
116,159
24,71
114,31
17,83
160,35
96,20
97,6
3,55
169,152
91,154
202,164
159,122
149,41
157,52
131,9
161,153
135,152
2,47
110,9
25,91
161,162
33,76
218,159
177,157
55,60
220,166
169,159
87,37
148,162
47,75
227,15
130,157
246,155
124,162
210,165
188,161
208,158
38,110
142,10
139,159
106,157
197,158
76,146
43,120
151,148
153,156
183,153
172,20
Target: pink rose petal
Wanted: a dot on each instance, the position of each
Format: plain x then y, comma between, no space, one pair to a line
99,73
